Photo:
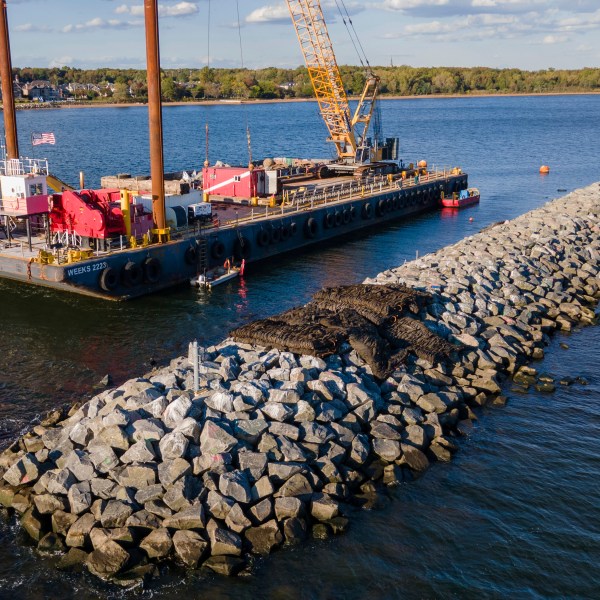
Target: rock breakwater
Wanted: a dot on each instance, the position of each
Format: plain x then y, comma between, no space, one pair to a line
276,446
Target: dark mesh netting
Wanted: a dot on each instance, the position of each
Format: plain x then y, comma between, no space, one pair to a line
368,317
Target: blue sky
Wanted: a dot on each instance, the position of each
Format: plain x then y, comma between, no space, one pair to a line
528,34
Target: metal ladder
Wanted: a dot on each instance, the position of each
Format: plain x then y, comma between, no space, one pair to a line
202,254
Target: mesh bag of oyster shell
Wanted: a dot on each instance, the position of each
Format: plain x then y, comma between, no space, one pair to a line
307,338
374,302
413,335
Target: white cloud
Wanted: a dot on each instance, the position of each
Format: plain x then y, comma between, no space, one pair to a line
30,28
555,39
411,4
99,23
276,13
181,9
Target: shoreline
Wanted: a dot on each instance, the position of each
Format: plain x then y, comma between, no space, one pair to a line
271,447
232,102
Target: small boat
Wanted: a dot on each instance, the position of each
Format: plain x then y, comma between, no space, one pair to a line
463,198
217,275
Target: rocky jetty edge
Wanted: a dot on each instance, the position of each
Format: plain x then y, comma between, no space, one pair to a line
275,446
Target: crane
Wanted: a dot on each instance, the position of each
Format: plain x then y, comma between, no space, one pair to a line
348,132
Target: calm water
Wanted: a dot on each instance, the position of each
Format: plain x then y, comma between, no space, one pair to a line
516,514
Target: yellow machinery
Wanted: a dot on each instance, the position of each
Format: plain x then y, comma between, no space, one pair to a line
349,134
57,184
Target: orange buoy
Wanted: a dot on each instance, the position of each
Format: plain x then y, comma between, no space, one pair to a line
544,169
422,164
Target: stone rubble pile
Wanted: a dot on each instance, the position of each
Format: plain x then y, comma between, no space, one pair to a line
275,446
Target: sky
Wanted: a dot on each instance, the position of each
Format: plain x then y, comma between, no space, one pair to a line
526,34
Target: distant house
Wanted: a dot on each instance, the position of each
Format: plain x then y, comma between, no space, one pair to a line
289,85
43,90
17,89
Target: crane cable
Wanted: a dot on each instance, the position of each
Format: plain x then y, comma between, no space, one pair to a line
206,161
237,6
347,19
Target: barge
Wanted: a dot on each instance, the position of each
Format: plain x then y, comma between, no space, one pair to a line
117,266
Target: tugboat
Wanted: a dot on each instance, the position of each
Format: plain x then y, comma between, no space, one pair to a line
461,199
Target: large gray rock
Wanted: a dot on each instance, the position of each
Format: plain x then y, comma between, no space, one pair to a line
62,521
384,431
176,412
146,430
157,544
262,511
253,464
47,504
323,507
414,458
136,476
31,522
415,435
140,452
190,547
264,538
115,437
218,505
288,507
225,565
188,518
223,542
190,428
236,519
298,486
107,560
79,532
143,519
102,457
80,497
250,430
431,403
115,514
80,464
389,450
59,481
169,471
221,402
235,485
173,445
215,440
277,411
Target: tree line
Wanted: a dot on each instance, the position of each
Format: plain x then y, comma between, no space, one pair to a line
275,83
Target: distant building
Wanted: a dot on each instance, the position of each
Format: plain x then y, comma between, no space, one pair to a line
43,90
17,89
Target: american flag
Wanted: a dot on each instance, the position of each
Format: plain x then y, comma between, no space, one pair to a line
42,138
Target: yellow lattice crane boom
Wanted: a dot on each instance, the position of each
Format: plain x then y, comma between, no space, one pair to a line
349,134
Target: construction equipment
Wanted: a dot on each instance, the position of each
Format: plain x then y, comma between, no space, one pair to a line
349,134
58,185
